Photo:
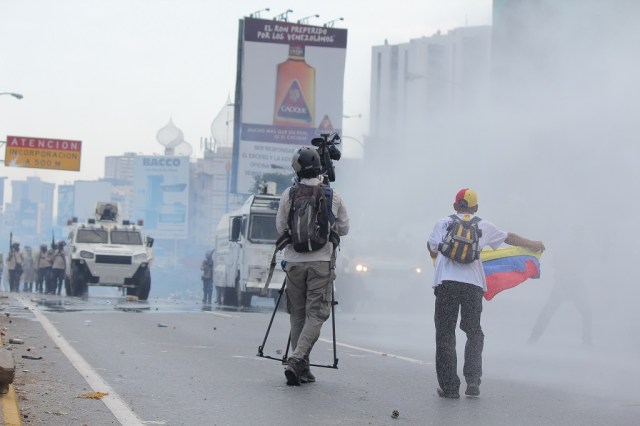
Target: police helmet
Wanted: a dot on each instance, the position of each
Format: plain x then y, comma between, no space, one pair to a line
306,162
15,245
43,247
61,244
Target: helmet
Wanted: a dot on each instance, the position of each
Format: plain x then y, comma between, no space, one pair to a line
306,161
43,247
61,244
15,245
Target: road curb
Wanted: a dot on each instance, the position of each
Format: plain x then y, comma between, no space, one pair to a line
9,403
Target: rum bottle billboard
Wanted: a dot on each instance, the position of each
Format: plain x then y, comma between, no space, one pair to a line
295,91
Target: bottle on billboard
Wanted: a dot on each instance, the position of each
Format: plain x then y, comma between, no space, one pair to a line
295,91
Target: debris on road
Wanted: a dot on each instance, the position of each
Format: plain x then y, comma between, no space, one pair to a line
16,341
395,414
94,395
31,357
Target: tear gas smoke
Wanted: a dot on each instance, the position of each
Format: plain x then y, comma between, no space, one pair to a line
553,155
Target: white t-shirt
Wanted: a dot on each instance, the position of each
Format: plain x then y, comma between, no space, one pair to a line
450,270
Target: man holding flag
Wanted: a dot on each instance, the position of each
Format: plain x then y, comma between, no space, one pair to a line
459,285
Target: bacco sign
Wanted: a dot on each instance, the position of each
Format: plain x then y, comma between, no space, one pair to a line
42,153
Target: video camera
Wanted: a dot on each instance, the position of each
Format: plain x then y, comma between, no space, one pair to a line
326,147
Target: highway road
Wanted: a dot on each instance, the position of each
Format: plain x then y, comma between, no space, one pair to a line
175,362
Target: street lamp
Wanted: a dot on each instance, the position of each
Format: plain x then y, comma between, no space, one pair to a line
331,23
283,16
256,14
15,95
305,20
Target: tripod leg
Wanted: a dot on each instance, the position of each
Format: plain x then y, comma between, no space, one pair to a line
285,357
275,309
333,326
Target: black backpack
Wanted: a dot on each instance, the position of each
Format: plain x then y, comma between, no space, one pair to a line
461,243
310,217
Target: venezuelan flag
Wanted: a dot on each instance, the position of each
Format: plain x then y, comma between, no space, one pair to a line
505,268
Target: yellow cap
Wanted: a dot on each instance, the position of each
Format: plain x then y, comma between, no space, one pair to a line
469,196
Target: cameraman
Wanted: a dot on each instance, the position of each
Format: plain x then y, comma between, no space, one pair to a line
309,274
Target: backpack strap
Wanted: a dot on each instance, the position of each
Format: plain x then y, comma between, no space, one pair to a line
292,192
334,238
474,219
328,194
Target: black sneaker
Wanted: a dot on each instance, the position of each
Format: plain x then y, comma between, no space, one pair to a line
292,372
450,394
472,390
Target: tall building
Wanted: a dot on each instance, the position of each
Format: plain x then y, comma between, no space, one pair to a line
29,216
87,193
210,196
420,83
119,166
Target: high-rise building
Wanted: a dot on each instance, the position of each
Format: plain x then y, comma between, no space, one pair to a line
119,166
29,216
424,81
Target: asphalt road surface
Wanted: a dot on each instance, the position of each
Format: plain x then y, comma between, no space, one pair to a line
175,362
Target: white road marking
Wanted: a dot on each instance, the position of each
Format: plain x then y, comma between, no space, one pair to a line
220,314
371,351
114,403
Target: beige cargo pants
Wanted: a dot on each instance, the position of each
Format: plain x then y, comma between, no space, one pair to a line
308,292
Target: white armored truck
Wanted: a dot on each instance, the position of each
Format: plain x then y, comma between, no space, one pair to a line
104,252
245,241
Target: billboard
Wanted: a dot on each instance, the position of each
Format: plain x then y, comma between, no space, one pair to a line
161,195
289,90
42,153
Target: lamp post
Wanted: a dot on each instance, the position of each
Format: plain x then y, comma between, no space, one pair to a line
15,95
331,23
256,14
305,20
283,16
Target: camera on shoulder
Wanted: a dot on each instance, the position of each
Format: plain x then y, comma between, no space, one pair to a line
329,152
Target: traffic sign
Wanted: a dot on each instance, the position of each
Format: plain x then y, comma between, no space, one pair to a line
42,153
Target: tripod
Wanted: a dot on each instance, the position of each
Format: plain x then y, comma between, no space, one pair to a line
285,357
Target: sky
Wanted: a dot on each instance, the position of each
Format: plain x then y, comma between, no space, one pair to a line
112,73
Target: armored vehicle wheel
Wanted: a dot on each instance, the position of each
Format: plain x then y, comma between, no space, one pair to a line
78,283
245,299
144,285
230,296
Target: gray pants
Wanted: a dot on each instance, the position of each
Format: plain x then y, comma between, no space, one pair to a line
308,303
